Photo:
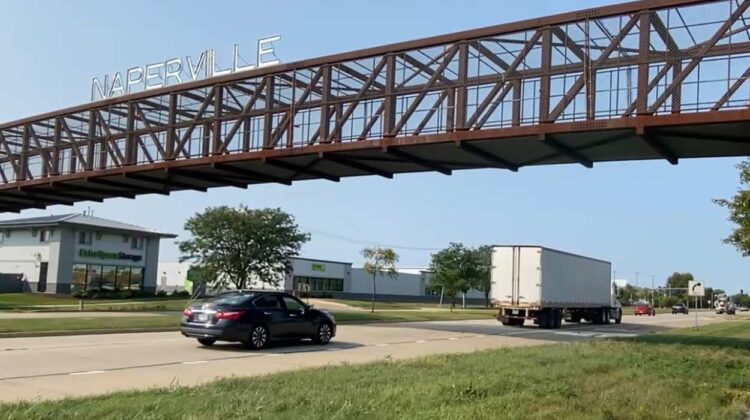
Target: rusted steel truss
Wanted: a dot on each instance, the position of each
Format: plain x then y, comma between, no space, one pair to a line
636,67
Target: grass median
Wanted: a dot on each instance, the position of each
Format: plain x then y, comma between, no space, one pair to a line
654,378
61,324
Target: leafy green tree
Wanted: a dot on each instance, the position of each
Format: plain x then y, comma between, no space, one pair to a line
739,211
679,280
741,299
380,261
453,270
483,273
237,245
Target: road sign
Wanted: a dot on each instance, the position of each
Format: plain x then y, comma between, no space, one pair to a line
695,288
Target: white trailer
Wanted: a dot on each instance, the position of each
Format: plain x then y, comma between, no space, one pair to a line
547,286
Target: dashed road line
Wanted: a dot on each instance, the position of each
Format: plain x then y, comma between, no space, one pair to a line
90,372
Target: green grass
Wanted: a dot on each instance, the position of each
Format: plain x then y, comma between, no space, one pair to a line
87,323
365,304
412,316
37,301
593,380
172,320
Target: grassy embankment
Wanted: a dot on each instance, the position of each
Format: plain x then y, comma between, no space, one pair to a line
681,374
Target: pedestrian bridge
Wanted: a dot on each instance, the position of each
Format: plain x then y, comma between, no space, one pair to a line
653,79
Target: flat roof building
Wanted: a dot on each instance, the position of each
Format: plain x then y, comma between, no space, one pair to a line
325,278
65,253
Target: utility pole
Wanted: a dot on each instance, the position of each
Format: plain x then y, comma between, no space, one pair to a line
652,289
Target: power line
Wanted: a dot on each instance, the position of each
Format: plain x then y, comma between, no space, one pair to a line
370,243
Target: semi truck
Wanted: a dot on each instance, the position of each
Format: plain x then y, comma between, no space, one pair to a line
545,286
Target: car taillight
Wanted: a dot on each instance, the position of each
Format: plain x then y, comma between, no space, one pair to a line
231,316
187,312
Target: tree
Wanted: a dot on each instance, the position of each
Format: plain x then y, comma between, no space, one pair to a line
739,212
380,261
483,279
237,245
453,269
741,299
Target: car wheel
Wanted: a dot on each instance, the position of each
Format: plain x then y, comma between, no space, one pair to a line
324,333
207,341
258,337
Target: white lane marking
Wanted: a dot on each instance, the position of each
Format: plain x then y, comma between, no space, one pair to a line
420,341
381,345
453,338
274,354
90,372
577,333
195,362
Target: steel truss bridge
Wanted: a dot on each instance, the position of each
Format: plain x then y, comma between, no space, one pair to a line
653,79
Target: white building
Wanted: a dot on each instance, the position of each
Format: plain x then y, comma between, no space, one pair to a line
62,254
325,278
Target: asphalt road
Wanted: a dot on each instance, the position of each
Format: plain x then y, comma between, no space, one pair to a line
58,367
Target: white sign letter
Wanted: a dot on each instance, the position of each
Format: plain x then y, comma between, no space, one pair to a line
117,87
96,87
173,73
195,70
262,50
133,80
236,60
150,75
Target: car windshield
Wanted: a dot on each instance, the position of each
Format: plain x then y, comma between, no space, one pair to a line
231,298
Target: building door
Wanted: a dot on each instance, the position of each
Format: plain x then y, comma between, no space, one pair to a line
42,285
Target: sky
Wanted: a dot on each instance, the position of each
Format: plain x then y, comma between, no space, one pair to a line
649,218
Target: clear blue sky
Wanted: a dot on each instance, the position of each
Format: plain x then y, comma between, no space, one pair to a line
648,217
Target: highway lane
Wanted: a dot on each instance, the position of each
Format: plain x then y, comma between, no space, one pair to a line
58,367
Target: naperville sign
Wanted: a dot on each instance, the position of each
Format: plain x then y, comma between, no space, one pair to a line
177,70
104,255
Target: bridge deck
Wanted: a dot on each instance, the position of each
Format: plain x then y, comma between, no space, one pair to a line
583,87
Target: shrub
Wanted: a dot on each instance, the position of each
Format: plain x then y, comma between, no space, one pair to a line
161,293
81,294
180,293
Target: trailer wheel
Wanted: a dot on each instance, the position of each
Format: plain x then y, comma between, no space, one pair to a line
557,314
618,318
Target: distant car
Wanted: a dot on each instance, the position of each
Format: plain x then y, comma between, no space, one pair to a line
644,309
256,317
743,309
679,308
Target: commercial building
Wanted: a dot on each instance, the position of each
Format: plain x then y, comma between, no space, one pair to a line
62,254
326,278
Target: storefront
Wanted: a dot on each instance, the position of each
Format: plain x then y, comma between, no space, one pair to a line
64,254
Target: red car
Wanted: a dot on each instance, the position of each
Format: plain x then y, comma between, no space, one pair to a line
644,309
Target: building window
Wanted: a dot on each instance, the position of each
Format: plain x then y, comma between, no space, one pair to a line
123,278
84,238
2,237
109,278
93,277
316,284
44,235
136,243
79,278
136,278
97,277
